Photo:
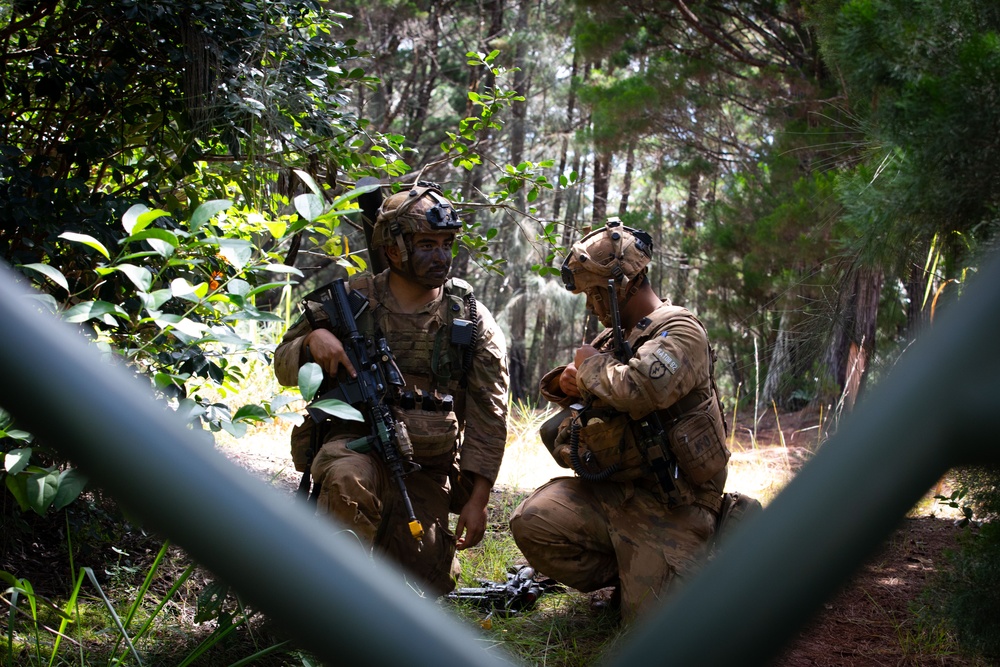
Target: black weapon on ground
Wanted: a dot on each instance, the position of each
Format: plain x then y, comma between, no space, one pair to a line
369,203
519,593
652,436
377,377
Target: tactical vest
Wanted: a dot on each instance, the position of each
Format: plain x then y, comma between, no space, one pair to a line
434,415
694,434
438,365
435,369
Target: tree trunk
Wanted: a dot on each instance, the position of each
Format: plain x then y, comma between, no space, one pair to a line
916,287
602,181
627,179
550,351
687,235
853,342
658,270
564,144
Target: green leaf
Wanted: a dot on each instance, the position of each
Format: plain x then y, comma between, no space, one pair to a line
281,400
71,485
131,217
293,418
163,249
309,206
210,601
50,272
146,218
153,300
41,490
17,485
16,459
140,276
310,378
86,240
309,181
182,289
206,212
276,227
181,324
16,434
89,310
338,409
189,409
236,251
237,430
238,287
47,300
252,412
283,268
164,235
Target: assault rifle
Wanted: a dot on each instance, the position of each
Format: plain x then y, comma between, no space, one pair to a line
519,593
652,435
378,377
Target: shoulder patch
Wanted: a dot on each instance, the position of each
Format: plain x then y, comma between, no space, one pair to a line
668,362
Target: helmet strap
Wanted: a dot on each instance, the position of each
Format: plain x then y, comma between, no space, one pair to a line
404,252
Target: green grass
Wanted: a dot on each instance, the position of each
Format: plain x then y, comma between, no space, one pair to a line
162,600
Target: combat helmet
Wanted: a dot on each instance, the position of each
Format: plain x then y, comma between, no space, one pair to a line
422,208
613,252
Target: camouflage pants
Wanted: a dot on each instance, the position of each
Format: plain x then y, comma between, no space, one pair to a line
357,491
590,535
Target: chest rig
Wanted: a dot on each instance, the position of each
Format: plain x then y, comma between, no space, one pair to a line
685,447
435,368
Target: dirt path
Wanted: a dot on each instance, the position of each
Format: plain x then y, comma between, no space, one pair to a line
871,622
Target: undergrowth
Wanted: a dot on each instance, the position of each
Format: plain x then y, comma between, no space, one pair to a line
176,614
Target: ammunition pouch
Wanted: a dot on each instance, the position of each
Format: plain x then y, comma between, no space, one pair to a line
431,423
697,440
551,429
302,444
606,440
605,444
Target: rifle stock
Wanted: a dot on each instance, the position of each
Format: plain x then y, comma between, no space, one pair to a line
377,376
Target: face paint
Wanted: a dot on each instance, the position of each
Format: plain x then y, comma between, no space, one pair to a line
429,261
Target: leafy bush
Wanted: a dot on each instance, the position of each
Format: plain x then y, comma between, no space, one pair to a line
167,302
968,593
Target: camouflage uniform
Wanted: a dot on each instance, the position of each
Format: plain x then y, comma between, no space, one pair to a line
616,525
467,436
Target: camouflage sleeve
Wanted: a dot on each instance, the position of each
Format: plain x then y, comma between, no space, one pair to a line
664,369
486,404
551,391
288,354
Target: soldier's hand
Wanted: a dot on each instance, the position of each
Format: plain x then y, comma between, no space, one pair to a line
471,524
567,381
327,351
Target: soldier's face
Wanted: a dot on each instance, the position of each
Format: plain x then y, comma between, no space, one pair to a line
430,258
597,302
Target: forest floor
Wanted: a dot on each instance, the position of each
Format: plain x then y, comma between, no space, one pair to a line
876,618
873,621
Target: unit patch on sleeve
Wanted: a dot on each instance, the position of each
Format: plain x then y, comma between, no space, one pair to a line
666,360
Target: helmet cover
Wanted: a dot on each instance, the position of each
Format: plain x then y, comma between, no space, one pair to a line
420,209
612,253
